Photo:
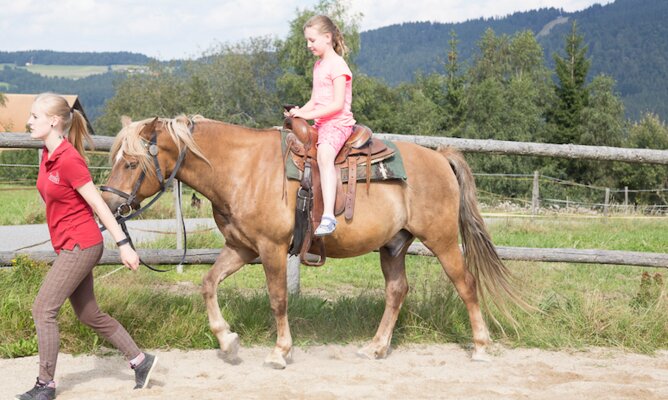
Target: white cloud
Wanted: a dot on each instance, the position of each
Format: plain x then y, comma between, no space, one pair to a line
177,29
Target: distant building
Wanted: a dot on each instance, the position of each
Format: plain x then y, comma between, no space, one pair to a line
14,114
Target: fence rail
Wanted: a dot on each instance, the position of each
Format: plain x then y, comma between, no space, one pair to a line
602,153
208,256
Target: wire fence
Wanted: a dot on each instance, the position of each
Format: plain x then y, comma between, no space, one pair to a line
555,194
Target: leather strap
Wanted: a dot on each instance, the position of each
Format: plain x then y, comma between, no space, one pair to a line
352,183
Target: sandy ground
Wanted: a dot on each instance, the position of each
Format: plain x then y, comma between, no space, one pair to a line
335,372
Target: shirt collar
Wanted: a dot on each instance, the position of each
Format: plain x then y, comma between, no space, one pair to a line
62,148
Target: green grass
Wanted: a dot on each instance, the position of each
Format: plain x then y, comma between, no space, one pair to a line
22,205
71,71
639,234
342,302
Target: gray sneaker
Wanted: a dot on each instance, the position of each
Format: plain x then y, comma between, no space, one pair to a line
39,392
326,227
143,371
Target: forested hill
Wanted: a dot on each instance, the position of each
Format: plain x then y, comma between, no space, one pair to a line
627,39
49,57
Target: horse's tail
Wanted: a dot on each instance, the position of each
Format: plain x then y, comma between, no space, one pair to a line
479,252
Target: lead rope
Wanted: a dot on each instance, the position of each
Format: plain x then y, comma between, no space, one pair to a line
185,240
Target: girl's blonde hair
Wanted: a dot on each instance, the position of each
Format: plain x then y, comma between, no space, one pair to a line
74,123
325,25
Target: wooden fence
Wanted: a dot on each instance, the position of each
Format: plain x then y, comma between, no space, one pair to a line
645,156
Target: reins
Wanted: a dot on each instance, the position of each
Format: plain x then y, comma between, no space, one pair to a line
124,212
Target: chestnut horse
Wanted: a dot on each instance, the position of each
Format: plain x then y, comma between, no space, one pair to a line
240,170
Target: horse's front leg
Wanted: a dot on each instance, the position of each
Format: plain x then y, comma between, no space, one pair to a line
229,261
275,270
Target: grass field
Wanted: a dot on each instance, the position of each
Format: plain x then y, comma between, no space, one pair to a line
71,71
342,302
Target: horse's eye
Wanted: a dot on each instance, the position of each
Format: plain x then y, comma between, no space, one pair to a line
131,165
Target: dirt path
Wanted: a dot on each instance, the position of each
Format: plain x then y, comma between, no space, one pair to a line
335,372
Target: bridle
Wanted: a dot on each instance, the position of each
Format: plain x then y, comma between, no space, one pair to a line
125,211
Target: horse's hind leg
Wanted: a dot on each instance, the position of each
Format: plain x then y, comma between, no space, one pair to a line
396,288
452,260
228,262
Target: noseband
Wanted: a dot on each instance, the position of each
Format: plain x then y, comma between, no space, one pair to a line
125,211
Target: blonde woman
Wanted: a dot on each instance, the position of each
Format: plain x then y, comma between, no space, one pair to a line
71,198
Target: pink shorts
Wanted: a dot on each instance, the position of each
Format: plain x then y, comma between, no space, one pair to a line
334,135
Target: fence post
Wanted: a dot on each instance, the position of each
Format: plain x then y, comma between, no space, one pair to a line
626,199
535,195
607,202
293,274
179,221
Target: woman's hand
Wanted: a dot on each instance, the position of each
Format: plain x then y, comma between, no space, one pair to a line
129,256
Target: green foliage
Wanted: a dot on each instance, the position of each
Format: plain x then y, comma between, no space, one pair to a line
24,161
650,133
572,96
616,40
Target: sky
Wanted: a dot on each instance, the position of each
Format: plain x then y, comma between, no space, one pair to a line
179,29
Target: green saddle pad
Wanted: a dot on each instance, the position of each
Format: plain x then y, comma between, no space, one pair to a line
391,168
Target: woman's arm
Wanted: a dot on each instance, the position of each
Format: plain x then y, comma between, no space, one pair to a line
89,192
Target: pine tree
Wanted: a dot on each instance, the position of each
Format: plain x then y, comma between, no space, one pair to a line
571,91
453,107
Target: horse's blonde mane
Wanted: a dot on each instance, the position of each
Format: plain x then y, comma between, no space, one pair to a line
129,143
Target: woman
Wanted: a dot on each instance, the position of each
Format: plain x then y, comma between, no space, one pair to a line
71,198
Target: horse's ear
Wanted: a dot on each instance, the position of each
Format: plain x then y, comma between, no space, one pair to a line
125,121
149,127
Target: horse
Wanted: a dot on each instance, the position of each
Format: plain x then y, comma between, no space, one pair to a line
241,171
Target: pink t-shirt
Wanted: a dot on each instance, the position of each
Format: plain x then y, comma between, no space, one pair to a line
324,73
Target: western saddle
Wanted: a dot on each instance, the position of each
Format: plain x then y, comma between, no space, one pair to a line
361,149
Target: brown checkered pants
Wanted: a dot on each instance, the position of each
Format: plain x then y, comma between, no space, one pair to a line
71,276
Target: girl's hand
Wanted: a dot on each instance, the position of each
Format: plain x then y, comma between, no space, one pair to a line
298,113
129,257
292,112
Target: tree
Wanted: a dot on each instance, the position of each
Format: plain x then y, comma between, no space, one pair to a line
453,109
571,92
649,133
158,93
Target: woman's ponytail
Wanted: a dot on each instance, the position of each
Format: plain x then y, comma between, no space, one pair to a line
79,133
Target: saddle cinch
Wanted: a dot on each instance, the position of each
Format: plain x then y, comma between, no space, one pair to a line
361,149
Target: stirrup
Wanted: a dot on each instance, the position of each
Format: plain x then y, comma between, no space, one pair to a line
326,227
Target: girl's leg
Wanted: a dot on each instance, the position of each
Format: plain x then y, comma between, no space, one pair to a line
65,275
326,155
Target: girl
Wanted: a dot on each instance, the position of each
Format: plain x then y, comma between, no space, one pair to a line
65,184
329,106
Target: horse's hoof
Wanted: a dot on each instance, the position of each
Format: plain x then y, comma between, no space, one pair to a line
230,346
369,353
275,361
480,356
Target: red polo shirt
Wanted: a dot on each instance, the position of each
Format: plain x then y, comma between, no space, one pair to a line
69,217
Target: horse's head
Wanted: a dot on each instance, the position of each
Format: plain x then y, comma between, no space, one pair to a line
143,155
